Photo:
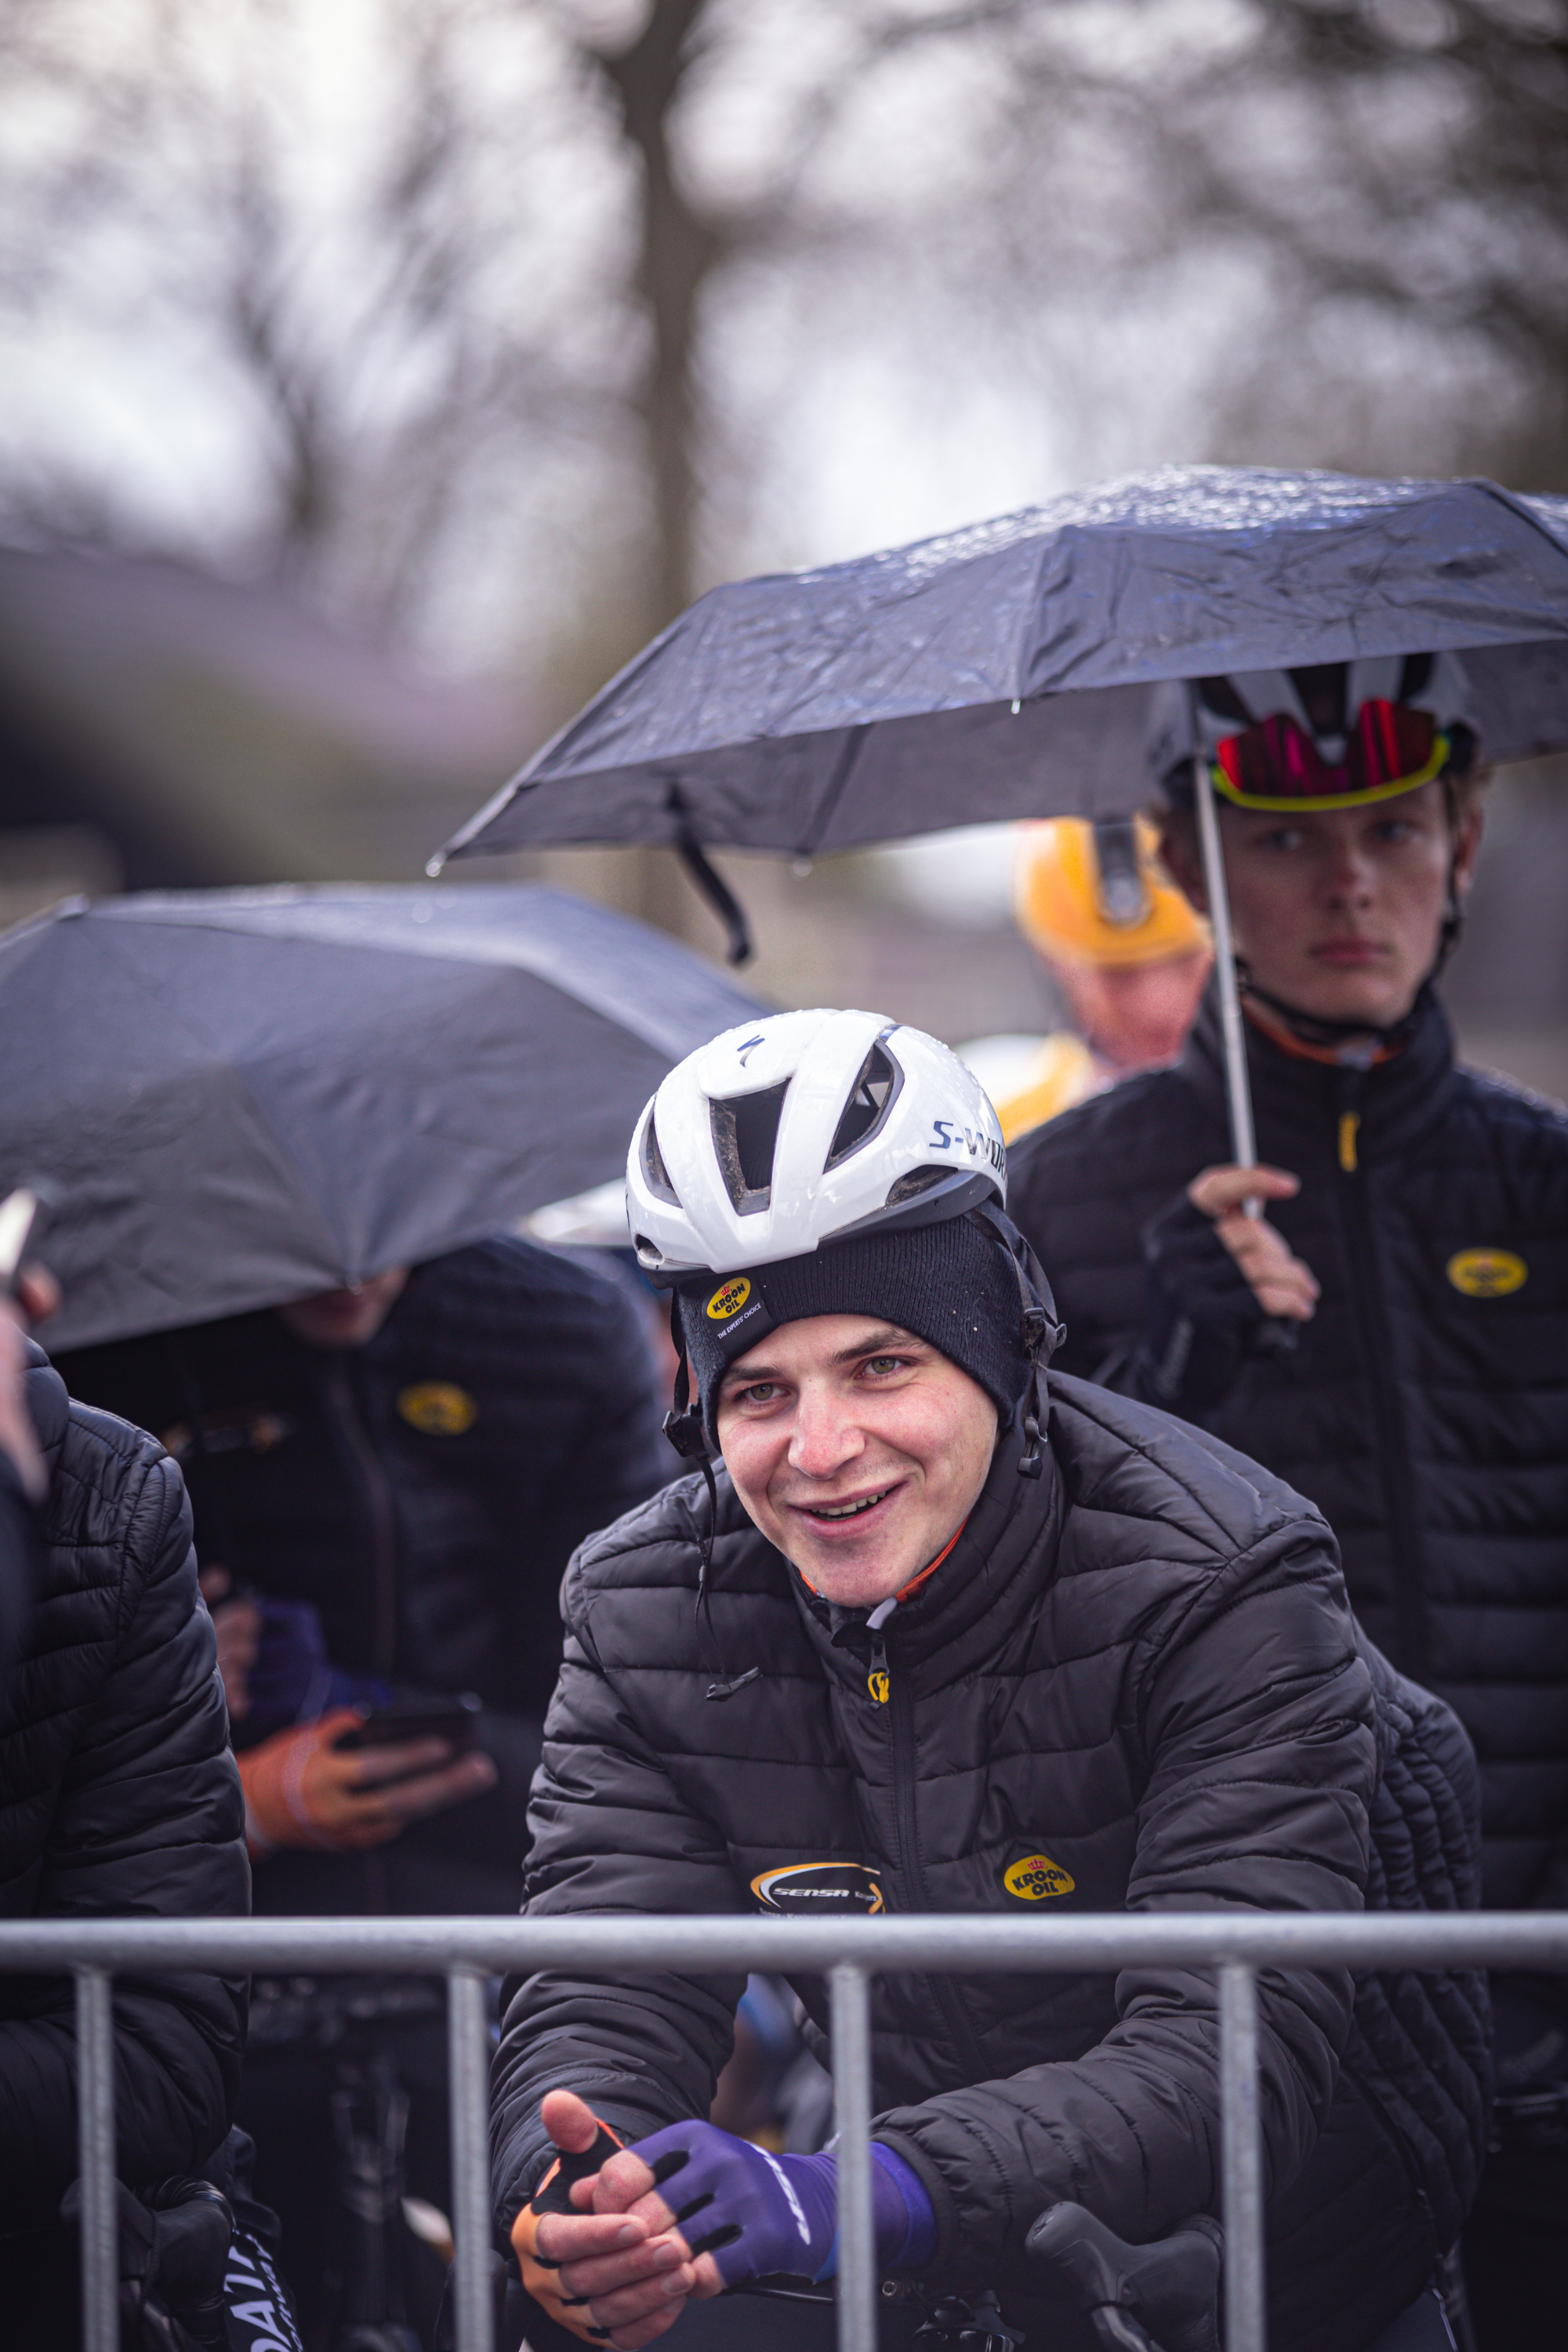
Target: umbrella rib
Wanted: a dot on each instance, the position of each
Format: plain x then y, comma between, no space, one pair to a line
833,790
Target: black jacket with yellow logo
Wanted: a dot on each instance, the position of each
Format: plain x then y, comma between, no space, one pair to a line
1424,1408
424,1493
1133,1684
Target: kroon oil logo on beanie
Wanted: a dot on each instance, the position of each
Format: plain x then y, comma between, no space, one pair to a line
811,1890
1036,1878
728,1299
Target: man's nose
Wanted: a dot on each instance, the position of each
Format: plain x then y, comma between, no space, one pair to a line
1350,873
825,1438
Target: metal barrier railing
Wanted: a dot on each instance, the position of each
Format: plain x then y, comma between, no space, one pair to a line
1236,1945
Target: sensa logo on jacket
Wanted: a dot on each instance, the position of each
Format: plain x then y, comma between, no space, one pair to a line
810,1889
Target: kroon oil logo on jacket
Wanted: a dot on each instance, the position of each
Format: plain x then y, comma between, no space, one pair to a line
814,1890
1036,1877
1487,1273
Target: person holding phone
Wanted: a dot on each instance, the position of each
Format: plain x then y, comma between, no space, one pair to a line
388,1482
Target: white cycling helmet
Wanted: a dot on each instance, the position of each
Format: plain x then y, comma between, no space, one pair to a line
801,1128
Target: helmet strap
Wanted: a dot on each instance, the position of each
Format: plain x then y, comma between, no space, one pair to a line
1040,1334
683,1427
683,1422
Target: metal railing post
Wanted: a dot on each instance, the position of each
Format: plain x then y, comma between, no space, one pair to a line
1241,2157
468,2066
95,2160
856,2283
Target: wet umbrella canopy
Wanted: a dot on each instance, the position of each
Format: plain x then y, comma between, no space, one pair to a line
1006,670
247,1097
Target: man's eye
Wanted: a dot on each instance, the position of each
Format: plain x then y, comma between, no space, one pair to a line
885,1363
759,1393
1396,828
1284,837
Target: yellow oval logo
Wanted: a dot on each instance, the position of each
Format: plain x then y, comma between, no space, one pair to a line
438,1408
1036,1877
728,1299
1487,1273
876,1684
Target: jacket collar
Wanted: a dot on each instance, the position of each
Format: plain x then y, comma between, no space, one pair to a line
1297,1101
988,1583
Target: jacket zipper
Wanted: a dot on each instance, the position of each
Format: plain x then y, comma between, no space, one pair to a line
1392,1446
940,1989
380,1513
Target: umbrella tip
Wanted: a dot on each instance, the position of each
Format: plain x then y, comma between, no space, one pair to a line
433,864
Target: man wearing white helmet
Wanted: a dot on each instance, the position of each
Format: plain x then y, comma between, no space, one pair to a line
944,1632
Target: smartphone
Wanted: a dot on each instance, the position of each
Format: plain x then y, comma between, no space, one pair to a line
453,1716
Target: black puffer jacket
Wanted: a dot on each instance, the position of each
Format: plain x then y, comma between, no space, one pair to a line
425,1492
118,1795
1425,1409
1138,1676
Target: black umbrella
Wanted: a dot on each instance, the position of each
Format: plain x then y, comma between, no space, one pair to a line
1008,670
245,1097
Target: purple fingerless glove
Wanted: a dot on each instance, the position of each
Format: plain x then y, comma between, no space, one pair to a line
760,2215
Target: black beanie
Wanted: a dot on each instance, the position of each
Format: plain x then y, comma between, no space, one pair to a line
951,1284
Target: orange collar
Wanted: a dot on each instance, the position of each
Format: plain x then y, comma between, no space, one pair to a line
1277,1033
915,1583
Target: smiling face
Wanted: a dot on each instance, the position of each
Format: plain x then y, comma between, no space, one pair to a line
1338,912
856,1449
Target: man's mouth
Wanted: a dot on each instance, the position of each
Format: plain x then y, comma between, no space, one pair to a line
850,1510
1350,951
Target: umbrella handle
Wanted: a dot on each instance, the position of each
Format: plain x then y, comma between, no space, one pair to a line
1277,1335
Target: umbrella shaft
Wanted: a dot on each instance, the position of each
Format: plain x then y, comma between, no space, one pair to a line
1238,1092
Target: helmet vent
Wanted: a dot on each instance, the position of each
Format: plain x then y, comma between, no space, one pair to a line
868,1106
653,1165
745,1129
912,1183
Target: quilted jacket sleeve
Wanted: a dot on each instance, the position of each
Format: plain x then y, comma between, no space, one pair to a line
609,1834
147,1819
1258,1727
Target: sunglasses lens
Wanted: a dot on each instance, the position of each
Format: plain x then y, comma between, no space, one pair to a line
1389,742
1276,760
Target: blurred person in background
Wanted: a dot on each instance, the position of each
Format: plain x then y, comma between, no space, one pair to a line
1124,948
118,1797
388,1482
1392,1335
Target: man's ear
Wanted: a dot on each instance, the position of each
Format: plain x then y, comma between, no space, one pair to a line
1468,834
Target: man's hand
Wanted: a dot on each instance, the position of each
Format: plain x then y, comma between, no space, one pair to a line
302,1790
1280,1283
617,2270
